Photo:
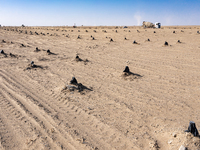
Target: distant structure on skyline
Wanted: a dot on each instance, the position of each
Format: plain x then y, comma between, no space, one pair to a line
157,25
74,26
148,24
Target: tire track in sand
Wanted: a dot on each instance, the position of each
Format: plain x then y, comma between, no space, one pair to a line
40,119
75,121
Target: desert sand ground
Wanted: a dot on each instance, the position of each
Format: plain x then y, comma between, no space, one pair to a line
148,110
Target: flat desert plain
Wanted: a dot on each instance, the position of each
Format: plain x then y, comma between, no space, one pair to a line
106,110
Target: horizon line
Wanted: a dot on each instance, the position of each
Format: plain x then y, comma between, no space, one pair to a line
89,25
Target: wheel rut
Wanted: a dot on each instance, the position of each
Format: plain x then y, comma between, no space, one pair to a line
24,108
60,120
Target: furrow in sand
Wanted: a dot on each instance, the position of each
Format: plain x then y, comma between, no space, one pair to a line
37,118
81,123
17,106
7,137
40,119
15,124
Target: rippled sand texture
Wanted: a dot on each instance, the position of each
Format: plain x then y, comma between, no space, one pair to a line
147,109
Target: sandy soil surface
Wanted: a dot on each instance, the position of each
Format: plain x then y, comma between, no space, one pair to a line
148,110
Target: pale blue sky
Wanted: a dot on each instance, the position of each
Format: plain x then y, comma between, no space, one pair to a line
98,12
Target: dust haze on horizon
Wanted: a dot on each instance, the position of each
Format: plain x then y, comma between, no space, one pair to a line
98,13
